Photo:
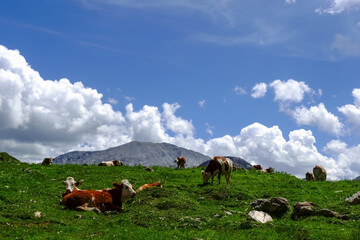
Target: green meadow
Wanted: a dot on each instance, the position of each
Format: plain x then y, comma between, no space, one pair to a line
182,209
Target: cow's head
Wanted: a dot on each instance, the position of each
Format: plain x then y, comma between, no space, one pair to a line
206,176
127,190
70,184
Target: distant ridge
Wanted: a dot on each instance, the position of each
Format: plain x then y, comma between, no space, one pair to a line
135,153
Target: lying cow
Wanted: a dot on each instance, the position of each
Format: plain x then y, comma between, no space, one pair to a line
218,166
71,185
180,162
257,167
100,200
111,163
149,185
47,161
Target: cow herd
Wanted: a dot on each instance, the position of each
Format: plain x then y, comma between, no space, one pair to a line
112,199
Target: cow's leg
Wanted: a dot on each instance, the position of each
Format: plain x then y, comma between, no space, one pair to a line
227,176
219,176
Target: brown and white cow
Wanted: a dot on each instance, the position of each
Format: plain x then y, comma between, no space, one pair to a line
47,161
149,185
309,176
218,166
180,162
319,173
100,200
71,185
111,163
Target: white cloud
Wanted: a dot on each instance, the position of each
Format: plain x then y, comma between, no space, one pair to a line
201,103
174,123
338,6
318,116
239,90
352,112
259,90
41,118
290,91
209,129
112,101
290,1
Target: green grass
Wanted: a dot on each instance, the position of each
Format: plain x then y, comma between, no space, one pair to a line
182,209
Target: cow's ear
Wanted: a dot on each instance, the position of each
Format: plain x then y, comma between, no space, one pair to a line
117,185
63,182
79,183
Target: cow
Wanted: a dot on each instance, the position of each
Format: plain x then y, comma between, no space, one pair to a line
47,161
309,176
257,167
268,170
180,162
319,173
111,163
218,166
100,200
149,185
71,185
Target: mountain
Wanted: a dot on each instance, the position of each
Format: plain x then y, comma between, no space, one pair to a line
357,179
135,153
239,162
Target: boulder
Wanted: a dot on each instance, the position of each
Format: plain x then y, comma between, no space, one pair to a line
329,213
319,173
303,209
273,206
259,216
354,199
309,176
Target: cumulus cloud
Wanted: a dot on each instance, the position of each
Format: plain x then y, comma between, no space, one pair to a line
338,6
318,116
41,118
352,112
259,90
290,90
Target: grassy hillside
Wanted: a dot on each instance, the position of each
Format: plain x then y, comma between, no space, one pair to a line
182,209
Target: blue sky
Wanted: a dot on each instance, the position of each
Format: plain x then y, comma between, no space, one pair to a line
274,82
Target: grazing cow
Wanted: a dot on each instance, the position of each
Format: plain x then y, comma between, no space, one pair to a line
309,176
100,200
319,173
220,166
257,167
180,162
47,161
145,186
71,185
111,163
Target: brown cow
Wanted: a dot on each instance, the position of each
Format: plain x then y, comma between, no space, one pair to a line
319,173
100,200
218,166
149,185
257,167
309,176
180,162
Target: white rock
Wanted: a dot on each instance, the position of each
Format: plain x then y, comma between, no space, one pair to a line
260,216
